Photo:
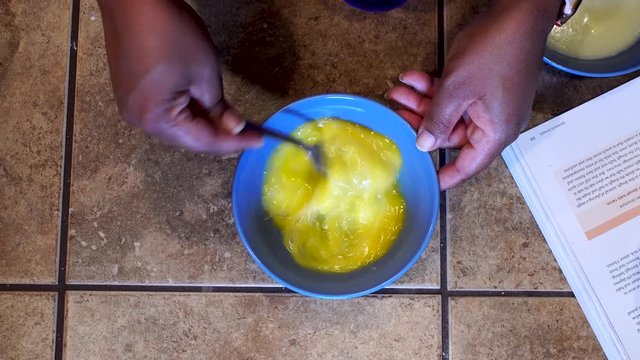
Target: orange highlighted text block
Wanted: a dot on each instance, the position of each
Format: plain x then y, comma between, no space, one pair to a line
613,223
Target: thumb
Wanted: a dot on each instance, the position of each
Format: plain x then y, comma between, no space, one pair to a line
447,108
226,118
212,131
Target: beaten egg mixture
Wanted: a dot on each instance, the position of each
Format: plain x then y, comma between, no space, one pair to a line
599,29
347,218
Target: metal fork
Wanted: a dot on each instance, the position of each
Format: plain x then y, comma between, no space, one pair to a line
314,151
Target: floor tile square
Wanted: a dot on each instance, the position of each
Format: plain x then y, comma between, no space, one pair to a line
27,324
227,326
494,242
520,328
33,68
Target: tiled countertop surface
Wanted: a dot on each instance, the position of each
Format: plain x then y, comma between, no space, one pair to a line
152,266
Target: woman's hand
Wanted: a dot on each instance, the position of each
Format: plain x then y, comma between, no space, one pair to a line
484,99
166,77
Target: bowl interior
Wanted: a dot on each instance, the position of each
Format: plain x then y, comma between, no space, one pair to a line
623,63
418,183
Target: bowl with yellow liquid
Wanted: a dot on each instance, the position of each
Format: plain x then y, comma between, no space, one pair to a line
602,39
352,229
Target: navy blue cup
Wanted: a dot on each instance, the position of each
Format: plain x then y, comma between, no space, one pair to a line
376,5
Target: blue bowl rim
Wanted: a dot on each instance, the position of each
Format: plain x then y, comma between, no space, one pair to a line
590,74
425,241
556,60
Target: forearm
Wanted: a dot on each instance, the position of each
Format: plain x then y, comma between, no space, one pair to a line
112,7
544,7
536,16
141,34
128,34
127,18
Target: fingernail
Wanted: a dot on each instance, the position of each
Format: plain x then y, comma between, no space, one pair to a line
386,95
401,77
236,130
232,124
425,141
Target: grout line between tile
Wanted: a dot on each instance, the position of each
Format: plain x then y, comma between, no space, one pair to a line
445,326
29,288
511,293
444,286
66,180
408,291
444,275
148,288
63,229
440,6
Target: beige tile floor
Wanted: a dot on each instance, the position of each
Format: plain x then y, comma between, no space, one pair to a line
154,267
182,231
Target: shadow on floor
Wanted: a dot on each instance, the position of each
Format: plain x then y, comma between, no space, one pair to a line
10,39
253,40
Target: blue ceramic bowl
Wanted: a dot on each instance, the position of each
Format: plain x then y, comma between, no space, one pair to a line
418,183
626,62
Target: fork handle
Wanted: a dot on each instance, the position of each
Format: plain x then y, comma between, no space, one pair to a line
276,134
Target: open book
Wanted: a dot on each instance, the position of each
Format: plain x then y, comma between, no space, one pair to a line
580,176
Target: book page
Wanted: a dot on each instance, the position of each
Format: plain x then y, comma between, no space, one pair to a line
584,167
604,187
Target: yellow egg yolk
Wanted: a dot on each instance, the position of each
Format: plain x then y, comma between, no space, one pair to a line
347,218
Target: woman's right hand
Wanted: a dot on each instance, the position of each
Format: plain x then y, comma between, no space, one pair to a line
166,77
